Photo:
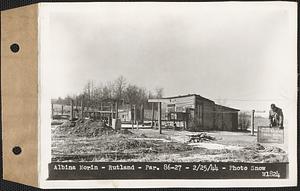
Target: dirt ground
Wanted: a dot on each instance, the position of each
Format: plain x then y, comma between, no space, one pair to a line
90,141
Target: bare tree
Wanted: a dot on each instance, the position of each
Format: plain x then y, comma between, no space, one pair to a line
93,96
244,121
87,91
159,92
119,87
131,96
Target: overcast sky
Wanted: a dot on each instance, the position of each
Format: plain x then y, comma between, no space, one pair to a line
240,55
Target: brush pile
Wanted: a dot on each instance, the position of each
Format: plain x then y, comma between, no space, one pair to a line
201,137
86,128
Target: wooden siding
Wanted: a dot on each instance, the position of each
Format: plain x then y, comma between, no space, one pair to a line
226,119
207,108
182,103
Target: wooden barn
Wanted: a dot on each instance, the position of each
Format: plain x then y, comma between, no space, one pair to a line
198,113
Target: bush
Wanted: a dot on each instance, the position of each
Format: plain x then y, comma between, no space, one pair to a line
244,121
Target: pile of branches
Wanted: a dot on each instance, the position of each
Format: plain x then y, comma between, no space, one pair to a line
201,137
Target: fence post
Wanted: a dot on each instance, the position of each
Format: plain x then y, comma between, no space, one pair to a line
142,114
252,122
134,114
52,110
76,104
72,110
159,117
152,117
82,109
117,110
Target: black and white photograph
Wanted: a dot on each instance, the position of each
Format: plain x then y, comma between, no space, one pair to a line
136,89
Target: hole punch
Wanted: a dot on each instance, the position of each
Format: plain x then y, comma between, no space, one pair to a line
17,150
15,48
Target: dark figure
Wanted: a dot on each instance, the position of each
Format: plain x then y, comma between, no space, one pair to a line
276,116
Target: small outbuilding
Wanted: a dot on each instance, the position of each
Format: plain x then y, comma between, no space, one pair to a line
198,113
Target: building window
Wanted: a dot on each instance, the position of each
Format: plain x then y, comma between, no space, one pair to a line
171,108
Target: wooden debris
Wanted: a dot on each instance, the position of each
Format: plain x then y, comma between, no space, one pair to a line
201,137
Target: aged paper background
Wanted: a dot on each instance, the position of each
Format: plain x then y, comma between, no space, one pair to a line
19,90
19,80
